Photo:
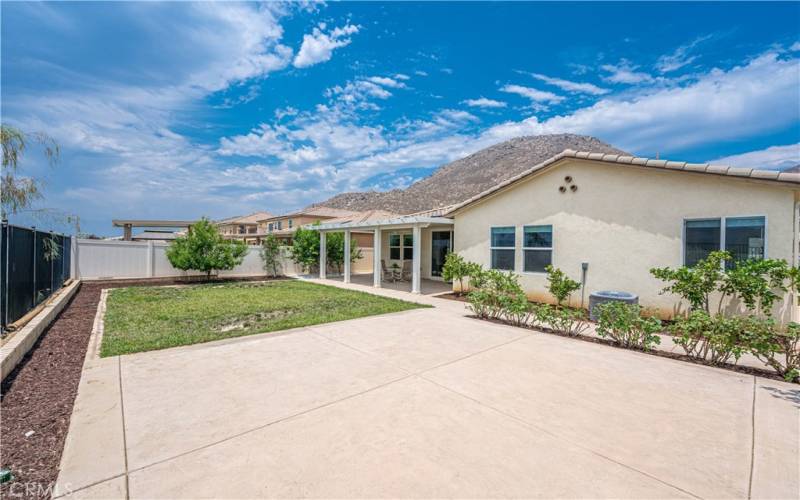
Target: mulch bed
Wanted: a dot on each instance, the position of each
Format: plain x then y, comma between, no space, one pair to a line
39,394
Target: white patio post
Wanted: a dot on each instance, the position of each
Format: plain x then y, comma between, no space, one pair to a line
377,271
323,257
347,256
416,260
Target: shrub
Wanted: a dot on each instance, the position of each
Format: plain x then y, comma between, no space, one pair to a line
624,324
715,339
779,350
755,283
494,292
560,285
456,269
694,284
542,316
568,321
203,249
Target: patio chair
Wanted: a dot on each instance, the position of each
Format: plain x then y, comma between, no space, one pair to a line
405,274
386,273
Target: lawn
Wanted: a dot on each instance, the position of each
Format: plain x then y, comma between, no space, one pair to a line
149,318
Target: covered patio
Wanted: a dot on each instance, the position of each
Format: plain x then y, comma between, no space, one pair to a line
406,251
427,287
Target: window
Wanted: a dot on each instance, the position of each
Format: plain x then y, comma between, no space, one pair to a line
290,223
280,224
701,237
408,246
394,246
537,248
502,246
744,237
269,227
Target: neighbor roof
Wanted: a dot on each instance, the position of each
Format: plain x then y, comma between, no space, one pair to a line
314,212
622,160
246,219
366,216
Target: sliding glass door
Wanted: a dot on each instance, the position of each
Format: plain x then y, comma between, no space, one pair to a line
441,245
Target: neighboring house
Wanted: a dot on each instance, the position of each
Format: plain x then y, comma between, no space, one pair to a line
284,226
243,227
619,215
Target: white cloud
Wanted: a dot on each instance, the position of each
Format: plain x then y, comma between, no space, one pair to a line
681,57
771,158
483,102
625,72
795,46
401,76
420,73
386,82
584,88
318,46
532,94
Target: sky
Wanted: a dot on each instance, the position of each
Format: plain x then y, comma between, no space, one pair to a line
180,110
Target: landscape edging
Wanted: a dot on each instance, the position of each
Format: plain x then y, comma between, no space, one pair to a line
12,352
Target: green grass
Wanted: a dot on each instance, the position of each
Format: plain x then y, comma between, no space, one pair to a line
148,318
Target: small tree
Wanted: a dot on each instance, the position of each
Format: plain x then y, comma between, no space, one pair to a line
305,248
271,254
334,250
19,192
560,285
456,269
204,249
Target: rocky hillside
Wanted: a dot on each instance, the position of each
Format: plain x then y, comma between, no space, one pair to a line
469,176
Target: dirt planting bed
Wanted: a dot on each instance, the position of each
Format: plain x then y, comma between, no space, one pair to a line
39,394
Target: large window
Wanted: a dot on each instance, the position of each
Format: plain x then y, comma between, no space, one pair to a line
537,248
744,237
394,246
502,246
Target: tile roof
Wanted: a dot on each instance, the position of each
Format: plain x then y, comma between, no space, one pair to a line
246,219
313,212
788,178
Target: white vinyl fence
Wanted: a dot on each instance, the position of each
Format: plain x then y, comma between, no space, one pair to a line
112,259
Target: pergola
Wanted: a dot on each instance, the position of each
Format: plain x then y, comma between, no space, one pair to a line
128,224
415,223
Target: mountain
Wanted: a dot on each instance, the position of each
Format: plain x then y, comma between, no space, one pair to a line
793,170
461,179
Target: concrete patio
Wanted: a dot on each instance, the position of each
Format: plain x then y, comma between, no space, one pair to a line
427,287
425,403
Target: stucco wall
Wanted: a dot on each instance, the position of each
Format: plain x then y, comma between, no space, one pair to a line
623,221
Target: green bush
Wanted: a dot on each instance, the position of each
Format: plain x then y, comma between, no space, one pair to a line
493,292
560,285
568,321
305,248
457,269
334,250
779,350
625,325
756,282
203,249
715,339
694,284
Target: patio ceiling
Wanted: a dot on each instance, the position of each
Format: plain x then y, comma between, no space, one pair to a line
409,221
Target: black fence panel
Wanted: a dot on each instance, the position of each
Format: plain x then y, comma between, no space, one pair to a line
34,264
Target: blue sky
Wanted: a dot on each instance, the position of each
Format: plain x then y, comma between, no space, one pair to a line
177,110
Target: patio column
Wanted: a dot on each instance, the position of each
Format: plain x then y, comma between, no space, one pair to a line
347,256
416,259
377,270
323,257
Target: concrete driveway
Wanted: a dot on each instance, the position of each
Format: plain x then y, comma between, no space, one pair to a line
425,403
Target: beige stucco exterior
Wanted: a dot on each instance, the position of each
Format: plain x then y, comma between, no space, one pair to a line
622,221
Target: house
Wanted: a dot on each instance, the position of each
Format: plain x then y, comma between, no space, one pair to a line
605,220
284,226
243,227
